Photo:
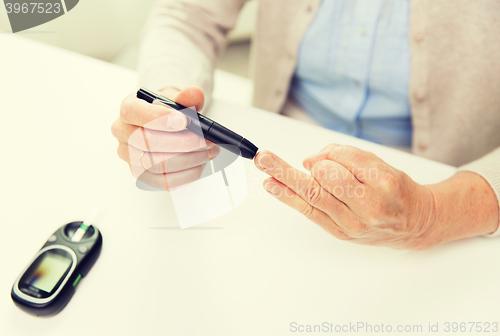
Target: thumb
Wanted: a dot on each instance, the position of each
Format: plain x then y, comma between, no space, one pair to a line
191,96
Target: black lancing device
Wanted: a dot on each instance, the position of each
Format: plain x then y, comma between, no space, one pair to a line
210,129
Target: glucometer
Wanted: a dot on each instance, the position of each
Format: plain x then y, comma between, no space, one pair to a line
48,282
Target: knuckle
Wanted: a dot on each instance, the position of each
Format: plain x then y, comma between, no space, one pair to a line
375,211
357,229
377,214
356,151
115,128
342,236
351,153
337,151
125,111
330,147
390,182
337,233
137,140
307,210
356,156
399,228
313,193
122,151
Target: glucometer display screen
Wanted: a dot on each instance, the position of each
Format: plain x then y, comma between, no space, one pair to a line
48,269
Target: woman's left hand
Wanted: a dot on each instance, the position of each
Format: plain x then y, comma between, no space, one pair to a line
354,195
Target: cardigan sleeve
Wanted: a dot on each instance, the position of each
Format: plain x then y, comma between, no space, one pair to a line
181,41
489,168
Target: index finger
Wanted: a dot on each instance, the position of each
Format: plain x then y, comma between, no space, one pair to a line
302,184
135,111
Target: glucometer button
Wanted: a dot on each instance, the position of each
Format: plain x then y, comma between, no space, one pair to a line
52,238
83,249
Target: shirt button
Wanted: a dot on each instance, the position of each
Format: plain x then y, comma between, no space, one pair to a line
362,31
419,37
309,9
356,82
278,92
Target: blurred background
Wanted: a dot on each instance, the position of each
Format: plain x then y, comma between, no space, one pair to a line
110,30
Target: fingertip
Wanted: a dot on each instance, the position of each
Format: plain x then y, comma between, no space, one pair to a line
195,90
191,96
263,153
271,186
306,164
266,160
257,157
129,98
268,180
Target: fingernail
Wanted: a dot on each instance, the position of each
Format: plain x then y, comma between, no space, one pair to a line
272,188
176,122
266,161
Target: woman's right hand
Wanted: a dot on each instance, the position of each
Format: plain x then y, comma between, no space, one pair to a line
154,141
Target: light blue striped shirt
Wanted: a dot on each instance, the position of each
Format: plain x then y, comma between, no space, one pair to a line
353,69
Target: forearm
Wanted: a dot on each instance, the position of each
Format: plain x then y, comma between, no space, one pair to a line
465,206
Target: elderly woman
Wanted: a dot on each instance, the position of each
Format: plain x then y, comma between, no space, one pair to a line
422,75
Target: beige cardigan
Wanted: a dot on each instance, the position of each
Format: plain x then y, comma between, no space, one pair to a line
455,66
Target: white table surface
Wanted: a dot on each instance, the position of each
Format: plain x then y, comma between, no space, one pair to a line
250,272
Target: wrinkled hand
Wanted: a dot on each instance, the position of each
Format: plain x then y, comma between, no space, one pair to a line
154,141
355,196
